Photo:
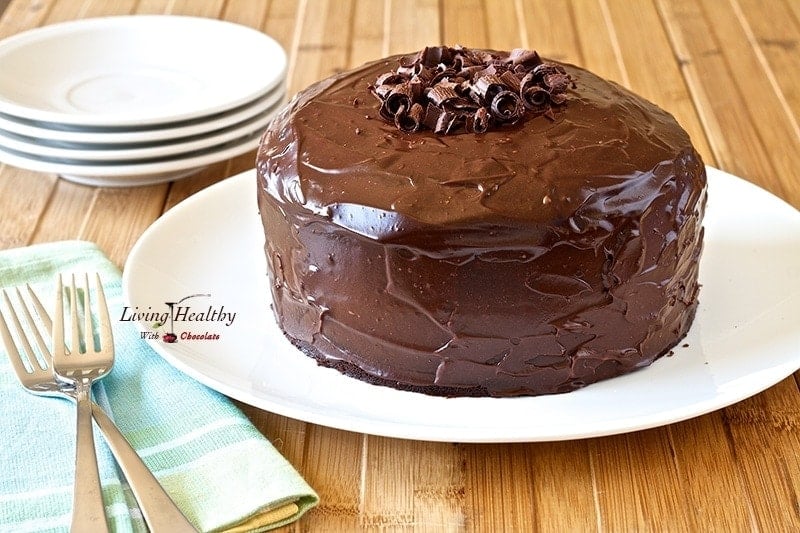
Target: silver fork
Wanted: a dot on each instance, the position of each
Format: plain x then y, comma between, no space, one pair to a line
159,511
80,365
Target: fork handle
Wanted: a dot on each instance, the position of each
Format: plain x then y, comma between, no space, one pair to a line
158,509
88,511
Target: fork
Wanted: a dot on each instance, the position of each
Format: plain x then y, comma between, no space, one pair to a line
80,366
159,511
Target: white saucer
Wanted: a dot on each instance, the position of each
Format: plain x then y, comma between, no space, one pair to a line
135,70
147,134
30,147
127,174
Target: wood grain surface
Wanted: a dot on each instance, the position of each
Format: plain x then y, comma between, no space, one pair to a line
729,70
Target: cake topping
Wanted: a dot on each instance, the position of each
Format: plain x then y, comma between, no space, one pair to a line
455,89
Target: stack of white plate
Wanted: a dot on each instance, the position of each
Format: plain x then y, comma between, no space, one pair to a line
136,100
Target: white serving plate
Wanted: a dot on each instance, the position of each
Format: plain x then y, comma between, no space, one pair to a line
745,337
51,131
31,147
135,70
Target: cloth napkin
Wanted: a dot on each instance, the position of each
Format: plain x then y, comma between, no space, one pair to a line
222,473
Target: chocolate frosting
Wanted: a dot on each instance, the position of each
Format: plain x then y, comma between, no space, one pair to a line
531,259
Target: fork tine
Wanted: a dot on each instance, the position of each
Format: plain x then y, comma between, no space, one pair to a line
44,316
88,336
104,321
13,350
73,316
40,310
58,320
37,335
8,341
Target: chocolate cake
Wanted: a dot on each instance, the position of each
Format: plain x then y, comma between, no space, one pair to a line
477,223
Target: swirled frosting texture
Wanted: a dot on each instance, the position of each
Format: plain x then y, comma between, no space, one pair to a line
532,259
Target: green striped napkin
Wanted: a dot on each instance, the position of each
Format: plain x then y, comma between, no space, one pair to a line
222,473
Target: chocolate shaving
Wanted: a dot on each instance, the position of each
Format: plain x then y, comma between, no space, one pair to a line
511,81
400,96
528,58
486,87
431,117
480,122
507,107
450,90
389,78
409,121
441,93
557,82
534,98
441,121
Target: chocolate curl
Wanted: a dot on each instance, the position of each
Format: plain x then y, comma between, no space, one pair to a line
534,96
487,70
458,61
526,58
410,71
381,91
507,107
448,123
557,82
543,70
484,57
417,89
430,56
526,81
461,105
480,122
410,61
510,80
441,121
431,116
441,93
468,56
469,72
487,86
400,96
390,78
443,75
411,121
471,90
385,84
425,74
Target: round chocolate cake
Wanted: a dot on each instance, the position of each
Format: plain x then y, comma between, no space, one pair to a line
476,223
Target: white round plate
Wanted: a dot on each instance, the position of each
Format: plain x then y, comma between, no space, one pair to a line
50,131
135,70
127,174
118,153
745,337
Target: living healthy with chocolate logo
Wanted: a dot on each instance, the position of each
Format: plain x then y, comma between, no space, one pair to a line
192,318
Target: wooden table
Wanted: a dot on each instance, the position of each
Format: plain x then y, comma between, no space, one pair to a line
729,70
